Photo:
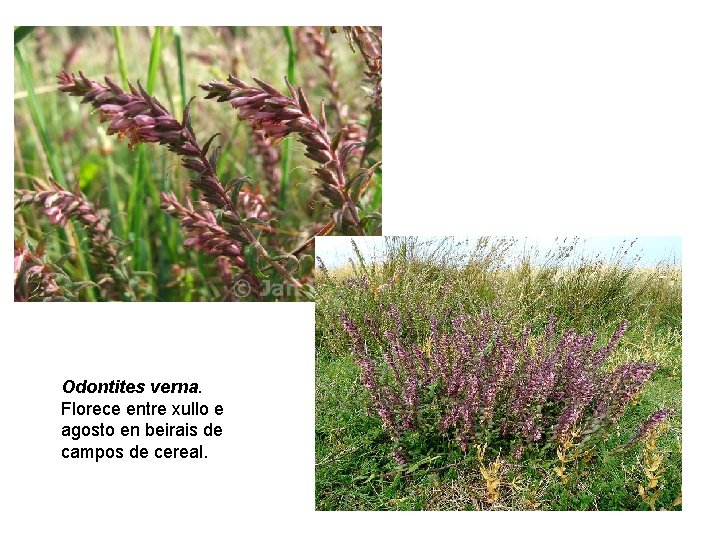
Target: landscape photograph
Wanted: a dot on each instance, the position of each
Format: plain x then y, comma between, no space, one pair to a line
498,373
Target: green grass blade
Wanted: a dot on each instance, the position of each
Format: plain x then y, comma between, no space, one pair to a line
128,226
137,195
121,56
155,52
51,155
171,224
285,165
291,54
39,119
116,216
177,35
141,238
21,32
113,191
169,93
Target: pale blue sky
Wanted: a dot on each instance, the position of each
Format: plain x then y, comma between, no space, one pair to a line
336,250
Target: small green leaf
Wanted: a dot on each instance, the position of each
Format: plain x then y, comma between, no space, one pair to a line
206,146
283,257
251,258
337,139
306,264
357,184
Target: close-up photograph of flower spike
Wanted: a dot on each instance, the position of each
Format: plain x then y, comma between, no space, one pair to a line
191,163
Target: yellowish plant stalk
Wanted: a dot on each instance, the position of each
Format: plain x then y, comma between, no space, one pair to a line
652,460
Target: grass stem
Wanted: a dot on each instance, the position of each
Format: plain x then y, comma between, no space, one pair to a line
285,164
122,66
177,38
141,247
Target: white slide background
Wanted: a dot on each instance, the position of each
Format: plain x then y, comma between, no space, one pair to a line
255,360
499,117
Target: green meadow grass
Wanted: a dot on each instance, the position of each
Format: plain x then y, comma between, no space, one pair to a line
57,136
354,467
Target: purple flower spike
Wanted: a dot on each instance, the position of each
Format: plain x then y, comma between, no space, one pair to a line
654,420
476,383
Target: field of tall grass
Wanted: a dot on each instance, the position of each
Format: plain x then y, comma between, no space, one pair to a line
392,436
127,188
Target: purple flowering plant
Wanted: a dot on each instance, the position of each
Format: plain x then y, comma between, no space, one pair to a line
169,221
476,380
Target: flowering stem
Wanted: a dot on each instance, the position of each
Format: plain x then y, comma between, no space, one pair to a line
265,255
144,119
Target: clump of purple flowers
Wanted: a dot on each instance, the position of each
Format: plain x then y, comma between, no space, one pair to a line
653,421
477,377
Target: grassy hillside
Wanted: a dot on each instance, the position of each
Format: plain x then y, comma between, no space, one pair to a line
355,468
